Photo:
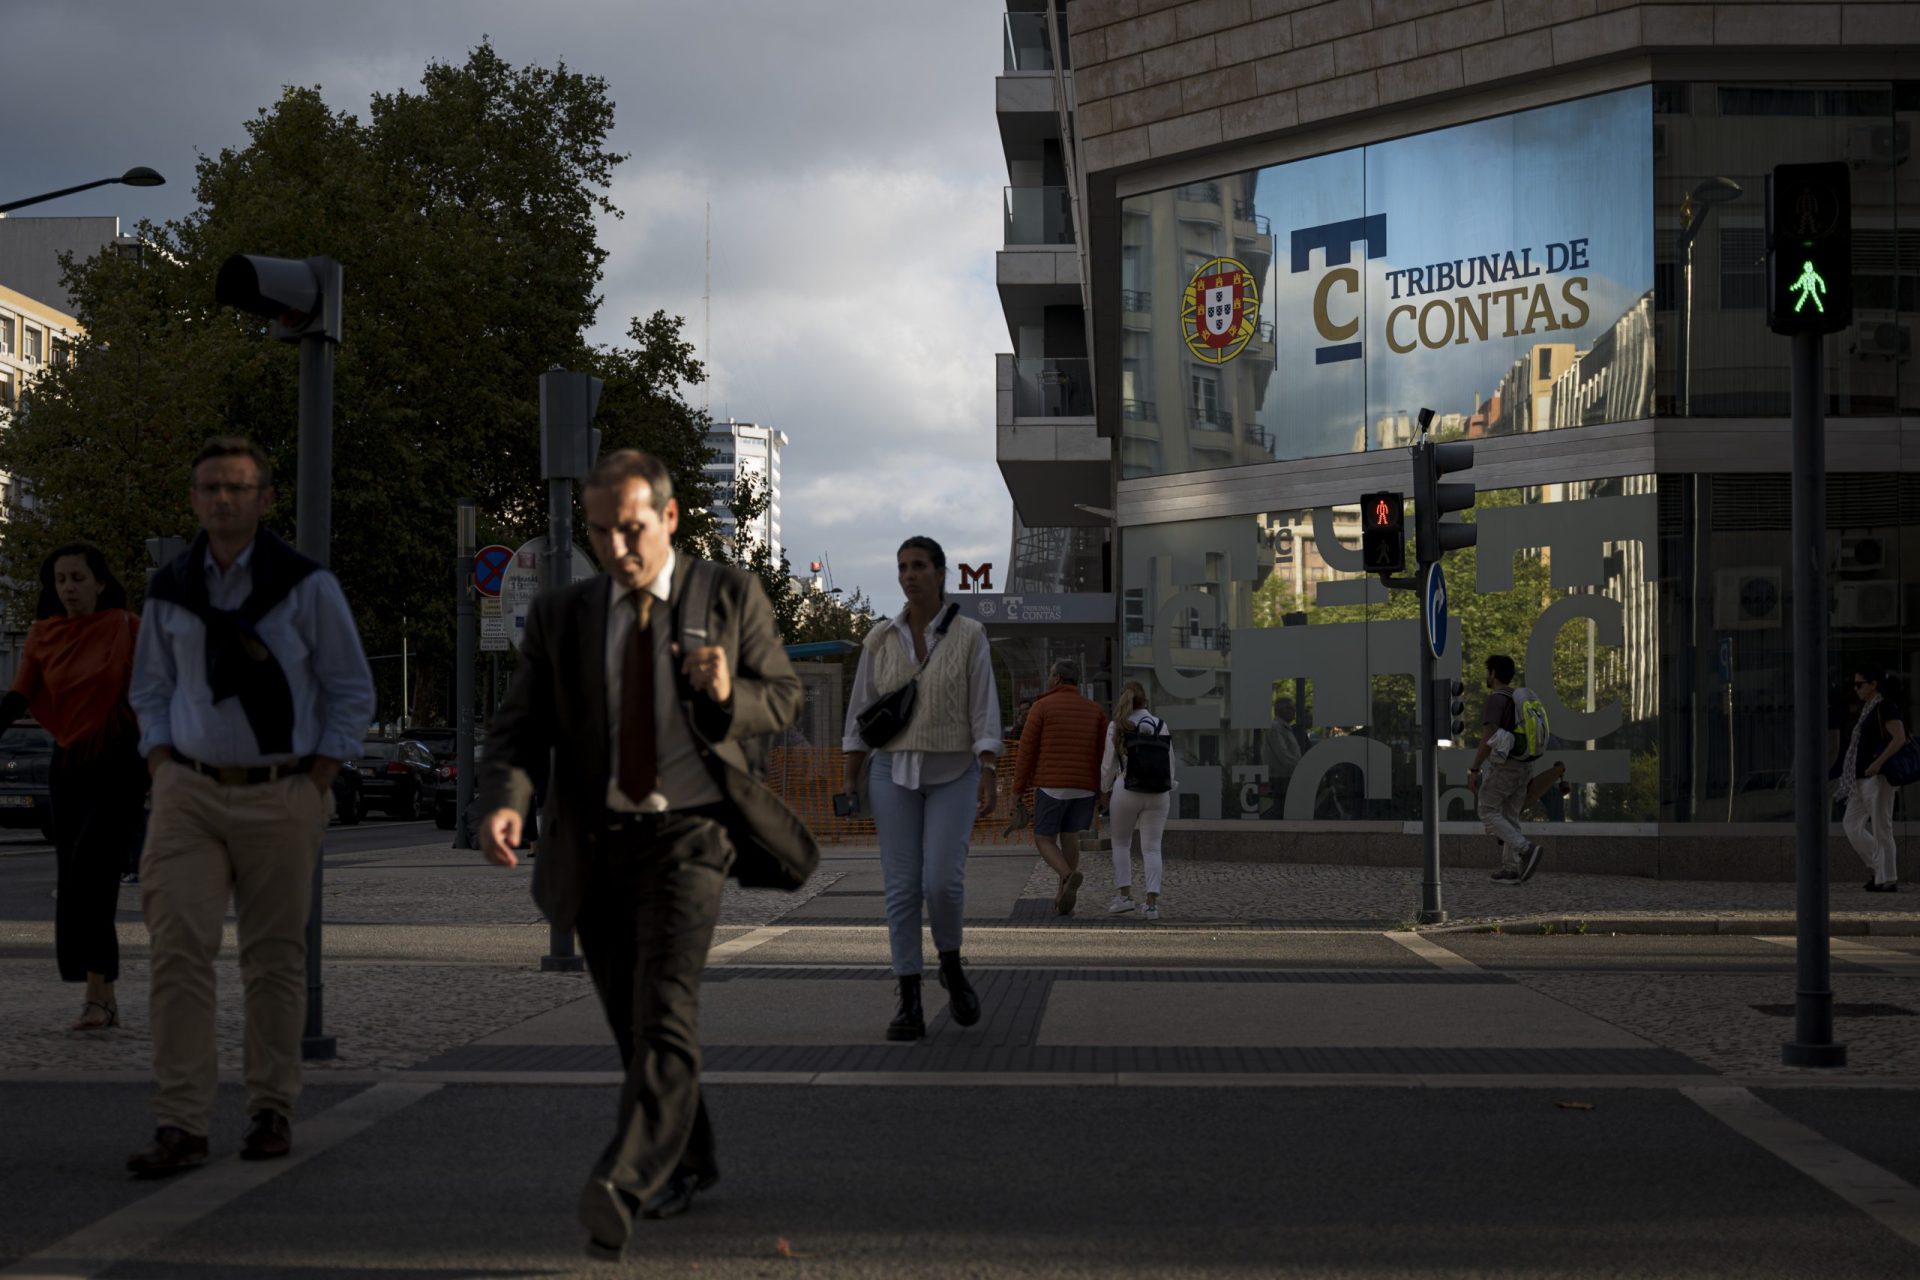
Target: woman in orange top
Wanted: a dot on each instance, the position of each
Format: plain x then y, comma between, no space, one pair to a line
73,678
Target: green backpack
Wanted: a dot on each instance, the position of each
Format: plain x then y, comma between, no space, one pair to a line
1529,725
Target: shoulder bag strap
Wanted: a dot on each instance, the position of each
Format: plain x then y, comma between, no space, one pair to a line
695,606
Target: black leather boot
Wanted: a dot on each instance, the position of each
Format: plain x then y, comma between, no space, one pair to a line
963,1002
910,1023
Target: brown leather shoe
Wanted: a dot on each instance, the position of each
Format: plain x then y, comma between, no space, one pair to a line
173,1150
269,1137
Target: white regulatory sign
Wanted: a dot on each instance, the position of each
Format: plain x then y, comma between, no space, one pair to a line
526,578
493,626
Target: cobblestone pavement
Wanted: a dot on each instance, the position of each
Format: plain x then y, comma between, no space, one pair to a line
1390,896
425,949
1710,1017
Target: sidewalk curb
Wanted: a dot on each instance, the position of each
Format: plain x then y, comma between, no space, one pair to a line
1733,926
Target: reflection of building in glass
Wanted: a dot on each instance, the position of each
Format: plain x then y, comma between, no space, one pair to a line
1180,412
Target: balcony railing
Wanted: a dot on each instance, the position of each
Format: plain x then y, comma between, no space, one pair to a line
1044,387
1136,300
1215,639
1140,410
1199,192
1027,46
1212,418
1038,215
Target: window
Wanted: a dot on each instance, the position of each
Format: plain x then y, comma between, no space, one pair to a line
31,348
6,335
1743,267
1206,400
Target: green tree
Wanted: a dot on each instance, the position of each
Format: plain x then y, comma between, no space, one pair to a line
464,215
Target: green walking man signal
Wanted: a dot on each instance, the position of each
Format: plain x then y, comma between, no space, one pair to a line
1809,248
1809,286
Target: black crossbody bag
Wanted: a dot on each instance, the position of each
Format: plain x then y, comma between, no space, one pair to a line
886,719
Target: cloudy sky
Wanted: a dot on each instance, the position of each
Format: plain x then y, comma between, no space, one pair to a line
848,148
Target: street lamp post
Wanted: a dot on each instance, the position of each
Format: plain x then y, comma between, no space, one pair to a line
138,176
1693,216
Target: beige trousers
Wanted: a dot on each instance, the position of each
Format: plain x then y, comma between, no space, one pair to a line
207,841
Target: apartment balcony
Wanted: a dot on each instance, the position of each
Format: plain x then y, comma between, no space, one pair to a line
1038,216
1048,446
1027,45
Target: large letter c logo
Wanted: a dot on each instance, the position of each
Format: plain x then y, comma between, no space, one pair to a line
1350,277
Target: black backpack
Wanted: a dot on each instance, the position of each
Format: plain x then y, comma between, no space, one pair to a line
1149,757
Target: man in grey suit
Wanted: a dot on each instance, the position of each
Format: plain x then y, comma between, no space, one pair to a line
636,689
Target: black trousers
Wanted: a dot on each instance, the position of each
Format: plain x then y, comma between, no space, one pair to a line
652,902
97,815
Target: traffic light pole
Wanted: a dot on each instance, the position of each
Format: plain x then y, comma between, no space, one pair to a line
560,956
1812,1044
313,534
466,534
1431,911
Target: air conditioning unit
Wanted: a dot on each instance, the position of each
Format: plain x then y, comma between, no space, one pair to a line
1873,605
1882,340
1861,554
1747,599
1879,146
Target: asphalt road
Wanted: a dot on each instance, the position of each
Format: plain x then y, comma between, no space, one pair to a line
939,1181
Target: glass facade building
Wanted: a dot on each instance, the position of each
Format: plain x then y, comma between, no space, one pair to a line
1578,289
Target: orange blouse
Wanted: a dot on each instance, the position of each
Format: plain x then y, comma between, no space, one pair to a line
75,673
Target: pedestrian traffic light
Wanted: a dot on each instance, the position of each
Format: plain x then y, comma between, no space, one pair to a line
569,442
1453,721
1383,532
300,296
1432,499
1809,248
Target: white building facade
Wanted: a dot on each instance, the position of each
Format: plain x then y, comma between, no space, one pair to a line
747,449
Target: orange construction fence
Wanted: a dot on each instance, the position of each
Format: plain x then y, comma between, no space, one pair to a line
808,778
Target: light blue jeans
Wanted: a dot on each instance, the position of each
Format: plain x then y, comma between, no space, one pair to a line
923,854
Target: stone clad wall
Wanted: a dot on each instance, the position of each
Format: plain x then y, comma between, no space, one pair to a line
1159,78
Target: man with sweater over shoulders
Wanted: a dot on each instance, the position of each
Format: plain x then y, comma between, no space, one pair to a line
1060,753
251,688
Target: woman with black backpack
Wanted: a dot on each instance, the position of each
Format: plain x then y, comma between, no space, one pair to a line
1136,789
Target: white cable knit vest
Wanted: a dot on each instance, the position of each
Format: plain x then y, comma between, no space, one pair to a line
942,715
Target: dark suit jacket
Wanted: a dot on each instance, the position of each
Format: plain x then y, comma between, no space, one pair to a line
558,705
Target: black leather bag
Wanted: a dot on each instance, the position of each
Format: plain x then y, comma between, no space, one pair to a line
886,718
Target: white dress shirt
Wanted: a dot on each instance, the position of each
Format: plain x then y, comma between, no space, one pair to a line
912,769
311,633
681,779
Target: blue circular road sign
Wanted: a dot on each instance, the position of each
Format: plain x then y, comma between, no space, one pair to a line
490,568
1435,598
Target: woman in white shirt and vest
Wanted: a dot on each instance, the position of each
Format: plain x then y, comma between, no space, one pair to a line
1130,811
931,781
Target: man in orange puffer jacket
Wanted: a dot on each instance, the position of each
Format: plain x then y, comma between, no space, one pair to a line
1060,750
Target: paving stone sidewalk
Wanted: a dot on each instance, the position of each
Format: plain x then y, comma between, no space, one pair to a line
1388,897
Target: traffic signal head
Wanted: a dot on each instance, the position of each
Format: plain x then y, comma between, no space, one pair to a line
569,442
1432,499
1453,721
1809,248
1383,532
300,296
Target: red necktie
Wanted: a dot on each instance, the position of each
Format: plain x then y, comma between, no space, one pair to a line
638,767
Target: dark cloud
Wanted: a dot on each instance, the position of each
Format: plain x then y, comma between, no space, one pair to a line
849,152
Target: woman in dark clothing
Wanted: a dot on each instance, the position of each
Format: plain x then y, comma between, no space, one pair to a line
73,678
1879,731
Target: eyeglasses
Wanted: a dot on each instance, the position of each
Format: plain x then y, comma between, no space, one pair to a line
225,490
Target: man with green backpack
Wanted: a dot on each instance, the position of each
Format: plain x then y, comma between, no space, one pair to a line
1514,734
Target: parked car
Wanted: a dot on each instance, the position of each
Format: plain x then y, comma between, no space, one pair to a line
446,798
26,760
397,777
349,799
443,743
